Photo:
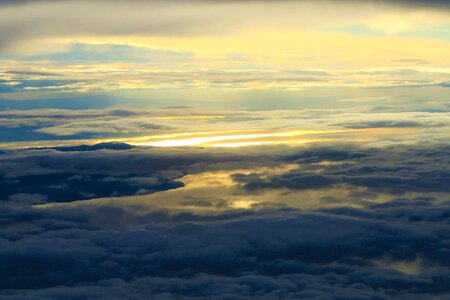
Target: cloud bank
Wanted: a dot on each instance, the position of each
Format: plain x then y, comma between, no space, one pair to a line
385,237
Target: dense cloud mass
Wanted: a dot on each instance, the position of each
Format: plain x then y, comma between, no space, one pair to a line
66,174
339,254
395,249
405,170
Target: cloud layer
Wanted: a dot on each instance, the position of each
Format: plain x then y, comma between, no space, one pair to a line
215,149
379,228
348,254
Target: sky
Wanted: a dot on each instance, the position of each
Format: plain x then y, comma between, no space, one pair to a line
213,149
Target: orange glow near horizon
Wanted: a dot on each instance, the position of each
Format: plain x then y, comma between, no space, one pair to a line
231,138
238,139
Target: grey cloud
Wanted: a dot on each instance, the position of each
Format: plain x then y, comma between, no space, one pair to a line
23,80
84,172
38,19
197,202
33,73
273,255
62,122
290,181
100,146
72,173
385,119
123,121
23,198
271,252
393,124
106,126
404,170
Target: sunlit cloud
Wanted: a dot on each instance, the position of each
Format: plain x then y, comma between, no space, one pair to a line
210,149
238,50
211,140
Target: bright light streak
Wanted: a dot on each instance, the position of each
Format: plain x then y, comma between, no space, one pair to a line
255,139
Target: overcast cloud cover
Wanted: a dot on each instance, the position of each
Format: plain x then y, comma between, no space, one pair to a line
379,250
244,149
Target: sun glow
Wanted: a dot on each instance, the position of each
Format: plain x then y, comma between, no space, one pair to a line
231,138
238,140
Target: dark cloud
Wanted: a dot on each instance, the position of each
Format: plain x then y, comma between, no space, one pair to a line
197,202
328,154
49,254
66,187
391,170
397,249
114,169
392,124
100,146
103,170
291,181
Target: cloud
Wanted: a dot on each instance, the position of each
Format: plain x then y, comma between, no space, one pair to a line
106,52
67,174
266,250
105,170
100,146
33,73
175,70
113,120
406,170
279,255
22,198
392,124
140,125
109,126
88,210
295,181
35,19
